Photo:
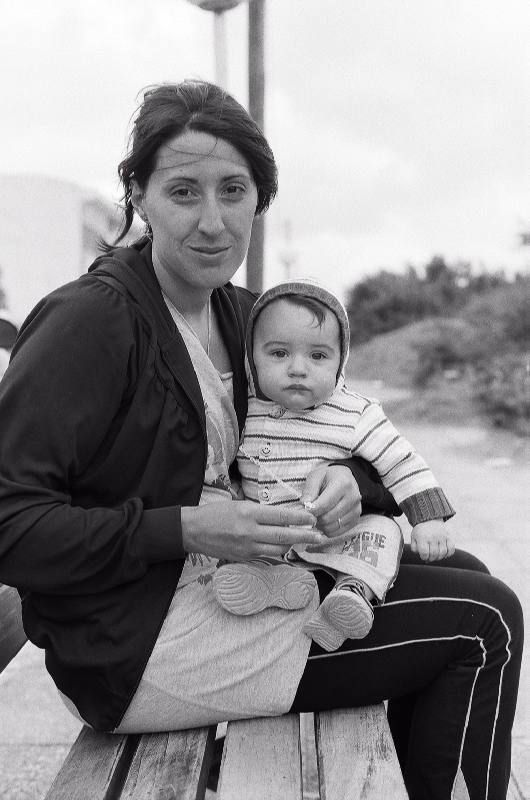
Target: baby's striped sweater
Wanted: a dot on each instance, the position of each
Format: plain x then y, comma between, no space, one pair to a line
280,447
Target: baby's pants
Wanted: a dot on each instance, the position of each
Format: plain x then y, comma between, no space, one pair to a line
370,552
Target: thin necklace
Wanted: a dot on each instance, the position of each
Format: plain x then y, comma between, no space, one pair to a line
209,326
192,329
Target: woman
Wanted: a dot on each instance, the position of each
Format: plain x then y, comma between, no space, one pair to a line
114,489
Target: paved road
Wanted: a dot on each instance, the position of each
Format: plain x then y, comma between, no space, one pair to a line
487,479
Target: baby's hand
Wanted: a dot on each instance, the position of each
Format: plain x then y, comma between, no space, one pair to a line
431,540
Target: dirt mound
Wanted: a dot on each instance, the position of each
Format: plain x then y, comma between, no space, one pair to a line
389,357
385,368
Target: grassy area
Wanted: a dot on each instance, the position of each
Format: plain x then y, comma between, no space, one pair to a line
470,365
392,359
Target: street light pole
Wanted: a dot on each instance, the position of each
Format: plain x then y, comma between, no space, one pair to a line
256,107
218,7
219,33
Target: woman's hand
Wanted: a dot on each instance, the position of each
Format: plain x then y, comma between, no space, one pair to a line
242,530
334,498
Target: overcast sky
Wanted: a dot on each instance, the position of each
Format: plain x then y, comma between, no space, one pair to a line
401,127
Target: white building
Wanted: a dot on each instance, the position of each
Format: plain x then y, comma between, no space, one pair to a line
49,231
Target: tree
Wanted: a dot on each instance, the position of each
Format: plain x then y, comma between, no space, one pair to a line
387,301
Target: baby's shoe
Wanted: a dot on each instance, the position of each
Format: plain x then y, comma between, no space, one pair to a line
347,609
319,629
248,588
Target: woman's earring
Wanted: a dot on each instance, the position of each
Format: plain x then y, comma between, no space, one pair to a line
148,229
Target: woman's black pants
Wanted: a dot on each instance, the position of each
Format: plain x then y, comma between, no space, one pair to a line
445,650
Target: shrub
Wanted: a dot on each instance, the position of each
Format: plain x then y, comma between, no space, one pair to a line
387,301
447,344
503,316
502,390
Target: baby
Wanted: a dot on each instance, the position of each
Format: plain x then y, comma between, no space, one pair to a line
301,414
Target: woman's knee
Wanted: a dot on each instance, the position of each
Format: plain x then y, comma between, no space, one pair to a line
510,608
464,560
460,560
502,622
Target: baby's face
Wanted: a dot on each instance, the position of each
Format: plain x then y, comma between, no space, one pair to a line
296,359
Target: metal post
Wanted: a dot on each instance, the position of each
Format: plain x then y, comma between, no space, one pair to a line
256,105
221,72
218,7
287,254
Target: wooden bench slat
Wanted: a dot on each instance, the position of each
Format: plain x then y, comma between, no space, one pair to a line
356,755
12,635
94,768
170,766
262,760
310,786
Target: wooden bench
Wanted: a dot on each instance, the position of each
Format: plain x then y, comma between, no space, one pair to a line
263,759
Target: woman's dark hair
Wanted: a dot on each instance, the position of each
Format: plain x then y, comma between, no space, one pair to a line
170,109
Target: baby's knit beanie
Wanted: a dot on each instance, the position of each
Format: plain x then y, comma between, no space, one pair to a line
305,287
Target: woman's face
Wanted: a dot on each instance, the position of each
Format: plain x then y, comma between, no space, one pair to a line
200,202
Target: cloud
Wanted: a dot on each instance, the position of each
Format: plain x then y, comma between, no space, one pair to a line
77,71
407,129
400,128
